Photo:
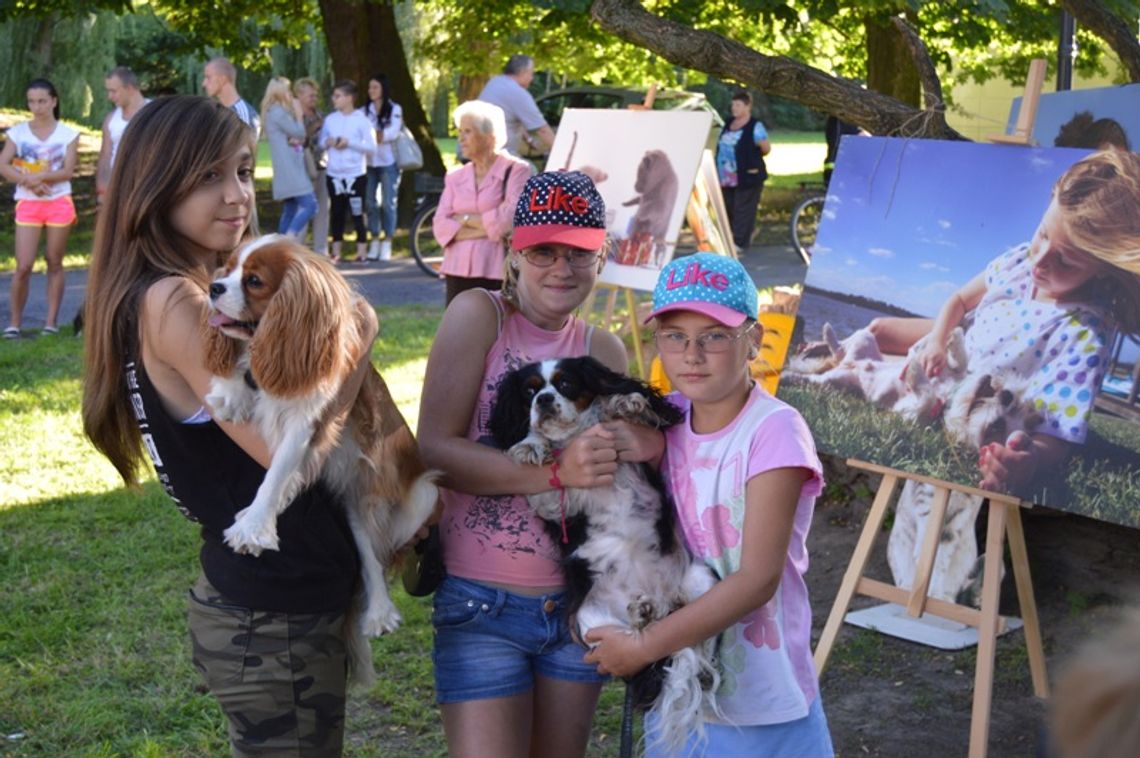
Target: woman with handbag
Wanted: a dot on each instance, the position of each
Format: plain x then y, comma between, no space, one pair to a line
478,201
383,174
283,123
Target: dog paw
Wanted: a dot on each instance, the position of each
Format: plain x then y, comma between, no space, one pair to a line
226,407
529,451
380,619
249,536
631,407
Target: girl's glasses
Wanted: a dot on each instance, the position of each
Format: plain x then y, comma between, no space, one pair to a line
545,257
716,341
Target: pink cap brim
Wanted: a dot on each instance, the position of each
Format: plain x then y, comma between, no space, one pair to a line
716,312
557,234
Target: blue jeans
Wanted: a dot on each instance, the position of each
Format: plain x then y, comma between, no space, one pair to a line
296,213
380,197
490,643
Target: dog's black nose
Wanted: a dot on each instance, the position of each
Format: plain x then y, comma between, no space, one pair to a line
544,401
217,289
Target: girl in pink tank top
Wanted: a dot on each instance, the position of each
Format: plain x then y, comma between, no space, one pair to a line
505,665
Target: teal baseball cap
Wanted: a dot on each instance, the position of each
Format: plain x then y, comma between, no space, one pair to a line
708,283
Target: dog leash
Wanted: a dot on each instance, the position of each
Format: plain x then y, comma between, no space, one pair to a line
626,749
555,482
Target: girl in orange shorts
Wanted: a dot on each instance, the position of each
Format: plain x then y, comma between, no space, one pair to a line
39,158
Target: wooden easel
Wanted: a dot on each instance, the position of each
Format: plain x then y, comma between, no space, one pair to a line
1004,523
1027,115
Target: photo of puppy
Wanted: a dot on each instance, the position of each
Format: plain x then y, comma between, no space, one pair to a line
284,330
657,188
856,365
624,561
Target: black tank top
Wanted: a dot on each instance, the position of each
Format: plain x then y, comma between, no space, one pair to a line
210,478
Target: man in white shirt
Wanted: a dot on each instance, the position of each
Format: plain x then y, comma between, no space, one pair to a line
122,88
219,81
525,123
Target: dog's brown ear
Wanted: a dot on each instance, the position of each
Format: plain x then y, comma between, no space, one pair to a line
222,352
305,336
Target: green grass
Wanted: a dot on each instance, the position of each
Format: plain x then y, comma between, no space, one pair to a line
94,656
1105,487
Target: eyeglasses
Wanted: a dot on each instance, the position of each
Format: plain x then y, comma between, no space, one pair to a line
716,341
545,257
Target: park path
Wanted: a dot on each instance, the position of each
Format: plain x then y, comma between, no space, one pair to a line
395,282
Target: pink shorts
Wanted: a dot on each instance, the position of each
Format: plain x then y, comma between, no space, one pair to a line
57,212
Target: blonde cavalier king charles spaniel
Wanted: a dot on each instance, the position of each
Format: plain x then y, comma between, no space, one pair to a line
285,333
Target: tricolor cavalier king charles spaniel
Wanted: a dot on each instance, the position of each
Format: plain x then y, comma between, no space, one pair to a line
624,562
285,330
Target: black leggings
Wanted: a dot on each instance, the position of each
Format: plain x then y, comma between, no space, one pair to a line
351,202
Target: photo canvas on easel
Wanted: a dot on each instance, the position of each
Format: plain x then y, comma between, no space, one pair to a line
1086,118
644,164
909,223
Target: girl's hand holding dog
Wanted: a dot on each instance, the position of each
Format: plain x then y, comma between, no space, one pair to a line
590,460
617,651
933,358
636,443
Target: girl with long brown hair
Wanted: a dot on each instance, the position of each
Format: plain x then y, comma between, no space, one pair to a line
267,631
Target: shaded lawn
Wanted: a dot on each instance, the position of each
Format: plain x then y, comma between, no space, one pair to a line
94,656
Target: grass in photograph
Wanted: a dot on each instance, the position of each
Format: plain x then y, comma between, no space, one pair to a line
1105,485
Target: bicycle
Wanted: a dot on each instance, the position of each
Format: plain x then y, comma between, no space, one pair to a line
806,217
427,252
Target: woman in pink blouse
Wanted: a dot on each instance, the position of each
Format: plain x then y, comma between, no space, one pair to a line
478,202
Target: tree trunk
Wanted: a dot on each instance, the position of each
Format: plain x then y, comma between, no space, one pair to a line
363,40
470,86
1120,35
776,75
890,67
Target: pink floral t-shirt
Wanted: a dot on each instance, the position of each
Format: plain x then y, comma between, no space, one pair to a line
767,674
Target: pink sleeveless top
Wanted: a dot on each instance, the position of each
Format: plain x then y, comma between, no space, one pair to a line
498,538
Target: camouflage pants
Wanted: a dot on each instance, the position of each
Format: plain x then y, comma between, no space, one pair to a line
280,678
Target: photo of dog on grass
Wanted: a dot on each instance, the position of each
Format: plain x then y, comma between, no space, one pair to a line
971,314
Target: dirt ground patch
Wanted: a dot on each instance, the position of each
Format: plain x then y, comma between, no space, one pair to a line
886,696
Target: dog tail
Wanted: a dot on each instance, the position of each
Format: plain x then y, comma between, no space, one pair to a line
358,648
691,681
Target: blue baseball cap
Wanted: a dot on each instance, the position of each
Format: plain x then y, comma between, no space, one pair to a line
560,207
708,283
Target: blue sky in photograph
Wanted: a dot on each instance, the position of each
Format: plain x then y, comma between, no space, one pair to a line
909,221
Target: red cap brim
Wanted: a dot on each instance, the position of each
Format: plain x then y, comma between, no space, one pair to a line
557,234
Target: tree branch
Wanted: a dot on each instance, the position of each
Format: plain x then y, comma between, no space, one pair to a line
927,75
1118,33
777,75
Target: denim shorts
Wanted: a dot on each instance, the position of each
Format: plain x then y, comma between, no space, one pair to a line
491,643
803,738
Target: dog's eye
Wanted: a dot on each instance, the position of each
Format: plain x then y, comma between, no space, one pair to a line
566,387
529,392
254,281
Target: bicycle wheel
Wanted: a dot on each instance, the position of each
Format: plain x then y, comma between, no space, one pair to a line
427,252
805,223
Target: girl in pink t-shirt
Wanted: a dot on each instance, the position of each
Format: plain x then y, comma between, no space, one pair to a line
744,475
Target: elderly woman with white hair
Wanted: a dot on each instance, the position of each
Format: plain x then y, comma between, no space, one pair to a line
475,212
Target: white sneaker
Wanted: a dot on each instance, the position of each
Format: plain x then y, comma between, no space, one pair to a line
374,253
386,250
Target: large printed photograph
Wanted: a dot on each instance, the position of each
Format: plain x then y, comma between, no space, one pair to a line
644,164
971,313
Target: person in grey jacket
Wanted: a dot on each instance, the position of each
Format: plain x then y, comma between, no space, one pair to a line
283,126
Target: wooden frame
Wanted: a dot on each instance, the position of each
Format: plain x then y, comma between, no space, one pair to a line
1004,524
